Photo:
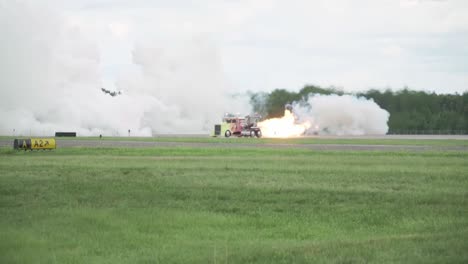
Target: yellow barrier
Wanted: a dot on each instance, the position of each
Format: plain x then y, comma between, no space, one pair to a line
35,143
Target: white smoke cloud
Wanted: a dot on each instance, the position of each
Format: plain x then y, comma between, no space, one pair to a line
342,115
51,81
187,78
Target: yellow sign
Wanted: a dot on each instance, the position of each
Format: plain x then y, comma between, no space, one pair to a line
43,143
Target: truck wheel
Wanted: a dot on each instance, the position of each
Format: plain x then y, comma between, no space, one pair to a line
227,133
252,133
258,134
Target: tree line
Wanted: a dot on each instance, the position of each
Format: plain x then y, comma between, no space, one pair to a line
411,112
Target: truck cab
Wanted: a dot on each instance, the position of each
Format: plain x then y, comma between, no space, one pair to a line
238,126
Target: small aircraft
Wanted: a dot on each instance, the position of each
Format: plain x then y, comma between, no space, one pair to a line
111,93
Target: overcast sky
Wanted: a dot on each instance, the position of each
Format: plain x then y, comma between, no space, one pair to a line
267,44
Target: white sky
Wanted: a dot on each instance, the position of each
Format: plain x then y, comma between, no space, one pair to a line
263,45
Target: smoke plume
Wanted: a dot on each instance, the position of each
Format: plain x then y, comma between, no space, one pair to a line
328,115
51,81
342,115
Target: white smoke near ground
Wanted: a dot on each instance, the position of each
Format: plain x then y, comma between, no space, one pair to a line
51,82
344,115
329,115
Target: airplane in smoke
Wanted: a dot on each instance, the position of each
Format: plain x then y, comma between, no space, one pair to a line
111,93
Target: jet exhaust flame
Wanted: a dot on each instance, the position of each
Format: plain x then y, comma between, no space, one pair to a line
284,127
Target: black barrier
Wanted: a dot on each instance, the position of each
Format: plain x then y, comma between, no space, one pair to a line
217,130
65,134
22,144
34,144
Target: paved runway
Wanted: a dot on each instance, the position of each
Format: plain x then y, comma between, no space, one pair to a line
417,137
63,143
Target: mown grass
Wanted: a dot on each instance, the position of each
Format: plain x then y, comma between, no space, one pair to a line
220,205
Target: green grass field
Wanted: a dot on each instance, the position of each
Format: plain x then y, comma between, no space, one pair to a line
221,205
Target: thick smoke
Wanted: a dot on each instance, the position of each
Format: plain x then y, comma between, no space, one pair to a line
342,115
51,81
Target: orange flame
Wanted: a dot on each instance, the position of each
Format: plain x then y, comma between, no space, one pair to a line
283,127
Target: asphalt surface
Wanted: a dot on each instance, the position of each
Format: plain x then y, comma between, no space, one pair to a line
353,147
64,143
416,137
